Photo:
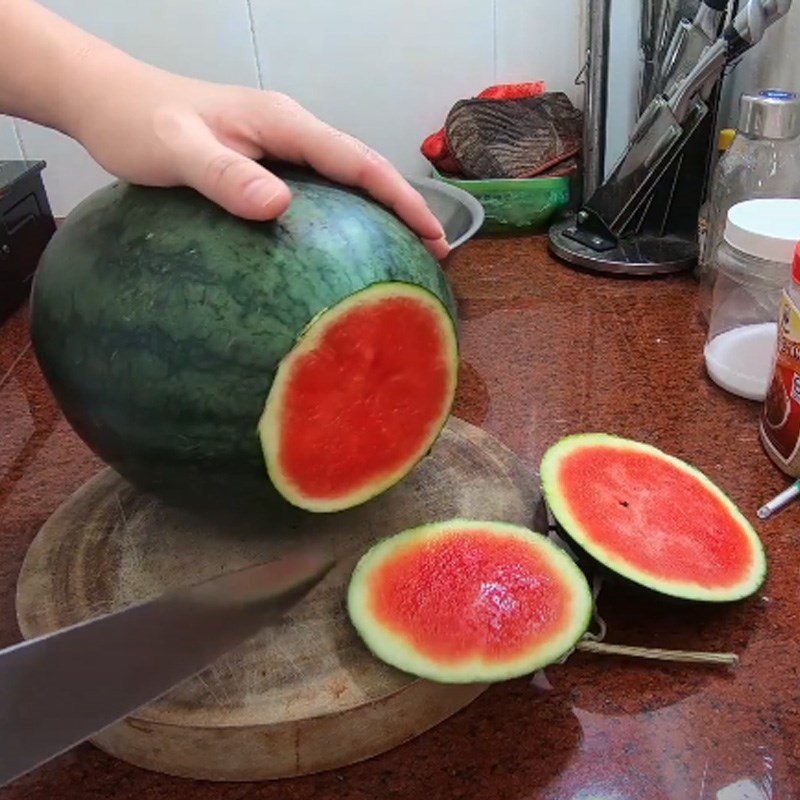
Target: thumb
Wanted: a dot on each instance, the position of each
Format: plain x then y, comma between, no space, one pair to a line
230,179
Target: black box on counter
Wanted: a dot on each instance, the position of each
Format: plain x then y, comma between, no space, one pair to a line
26,225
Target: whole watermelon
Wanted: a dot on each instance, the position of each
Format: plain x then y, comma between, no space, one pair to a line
159,319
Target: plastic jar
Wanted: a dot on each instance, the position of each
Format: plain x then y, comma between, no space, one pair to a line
753,267
762,160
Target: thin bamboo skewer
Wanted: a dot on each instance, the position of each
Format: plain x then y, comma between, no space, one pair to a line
658,654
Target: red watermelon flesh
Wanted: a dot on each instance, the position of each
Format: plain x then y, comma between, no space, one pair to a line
514,599
361,398
469,601
652,518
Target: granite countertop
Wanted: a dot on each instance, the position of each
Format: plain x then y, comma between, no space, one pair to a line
546,351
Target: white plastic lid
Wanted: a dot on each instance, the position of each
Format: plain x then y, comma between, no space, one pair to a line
767,229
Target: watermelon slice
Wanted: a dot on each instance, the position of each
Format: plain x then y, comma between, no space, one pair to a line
361,397
465,601
651,518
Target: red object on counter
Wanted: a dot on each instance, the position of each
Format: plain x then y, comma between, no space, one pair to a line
512,91
779,425
436,147
796,265
437,150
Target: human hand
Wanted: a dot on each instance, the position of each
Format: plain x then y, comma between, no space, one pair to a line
149,126
161,129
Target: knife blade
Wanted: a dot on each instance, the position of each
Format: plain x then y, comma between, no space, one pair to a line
667,121
58,690
690,41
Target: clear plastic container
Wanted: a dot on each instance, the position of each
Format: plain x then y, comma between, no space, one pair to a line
753,267
724,141
763,161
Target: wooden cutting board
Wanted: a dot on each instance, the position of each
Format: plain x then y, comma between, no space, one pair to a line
301,698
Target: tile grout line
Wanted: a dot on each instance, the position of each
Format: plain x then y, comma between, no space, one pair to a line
494,40
18,137
252,22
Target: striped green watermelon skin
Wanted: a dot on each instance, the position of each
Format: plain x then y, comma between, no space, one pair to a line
159,319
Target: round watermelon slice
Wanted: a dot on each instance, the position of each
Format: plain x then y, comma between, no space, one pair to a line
465,601
361,397
651,518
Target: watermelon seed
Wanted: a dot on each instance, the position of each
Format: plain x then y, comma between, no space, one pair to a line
624,503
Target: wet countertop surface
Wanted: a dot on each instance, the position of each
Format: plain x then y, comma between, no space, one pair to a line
547,351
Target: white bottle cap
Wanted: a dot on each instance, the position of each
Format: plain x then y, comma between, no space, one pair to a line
767,229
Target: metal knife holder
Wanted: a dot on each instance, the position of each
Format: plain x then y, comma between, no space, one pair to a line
642,217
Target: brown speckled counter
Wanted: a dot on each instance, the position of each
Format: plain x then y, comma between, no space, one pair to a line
547,351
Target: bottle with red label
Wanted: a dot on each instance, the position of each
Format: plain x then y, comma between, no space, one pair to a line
780,415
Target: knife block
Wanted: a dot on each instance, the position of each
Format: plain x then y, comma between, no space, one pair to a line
300,698
661,237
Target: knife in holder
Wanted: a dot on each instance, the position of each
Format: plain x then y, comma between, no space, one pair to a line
642,219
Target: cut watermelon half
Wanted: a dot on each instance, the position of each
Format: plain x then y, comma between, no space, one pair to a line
361,397
651,518
466,602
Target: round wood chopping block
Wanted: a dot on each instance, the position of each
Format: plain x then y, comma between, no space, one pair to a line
299,698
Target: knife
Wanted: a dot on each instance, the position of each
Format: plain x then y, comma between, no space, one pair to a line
58,690
665,21
690,41
667,122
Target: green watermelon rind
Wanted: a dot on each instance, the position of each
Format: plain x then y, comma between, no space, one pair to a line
395,650
685,590
269,424
159,321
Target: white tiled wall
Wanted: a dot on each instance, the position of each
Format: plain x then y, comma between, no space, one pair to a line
624,65
385,71
537,40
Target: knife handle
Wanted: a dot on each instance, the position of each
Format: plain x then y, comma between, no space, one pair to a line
750,23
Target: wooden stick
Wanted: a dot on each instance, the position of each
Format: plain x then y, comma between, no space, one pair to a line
656,653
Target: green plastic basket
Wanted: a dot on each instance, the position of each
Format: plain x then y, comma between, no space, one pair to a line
519,205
